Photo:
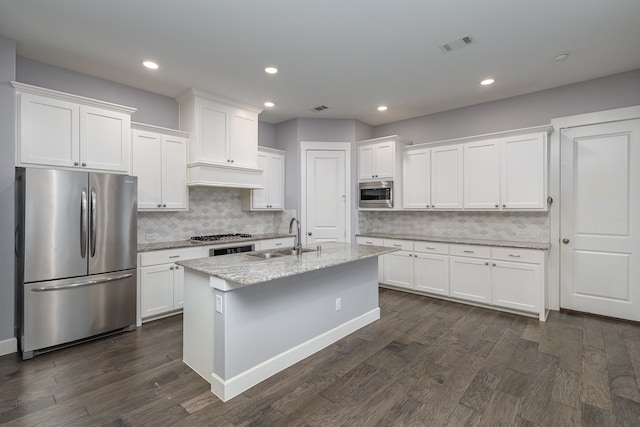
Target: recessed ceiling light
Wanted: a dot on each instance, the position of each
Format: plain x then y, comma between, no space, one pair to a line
382,108
561,57
269,104
150,65
487,82
271,69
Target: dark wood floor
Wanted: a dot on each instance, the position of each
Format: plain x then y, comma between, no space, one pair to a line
426,362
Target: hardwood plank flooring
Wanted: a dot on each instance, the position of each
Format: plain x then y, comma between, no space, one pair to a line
427,362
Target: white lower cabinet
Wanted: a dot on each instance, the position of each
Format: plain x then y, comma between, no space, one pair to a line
279,243
161,281
500,277
374,241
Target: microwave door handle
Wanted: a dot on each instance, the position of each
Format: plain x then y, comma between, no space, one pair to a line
94,220
83,223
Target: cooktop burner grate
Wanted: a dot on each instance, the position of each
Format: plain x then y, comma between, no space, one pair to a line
217,237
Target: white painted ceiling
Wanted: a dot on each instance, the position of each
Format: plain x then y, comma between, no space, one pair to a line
350,55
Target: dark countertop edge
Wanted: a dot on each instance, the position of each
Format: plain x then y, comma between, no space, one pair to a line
461,240
180,244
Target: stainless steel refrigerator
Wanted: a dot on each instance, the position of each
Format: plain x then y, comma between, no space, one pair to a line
76,250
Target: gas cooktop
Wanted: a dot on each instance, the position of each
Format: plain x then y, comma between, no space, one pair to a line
218,237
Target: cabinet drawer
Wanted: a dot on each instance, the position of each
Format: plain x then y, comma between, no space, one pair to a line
405,245
282,242
432,247
169,256
519,255
471,251
376,241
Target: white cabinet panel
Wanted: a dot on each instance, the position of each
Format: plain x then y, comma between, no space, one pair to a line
283,242
385,158
517,285
178,286
271,197
49,131
447,177
523,172
160,163
470,279
105,140
63,130
360,240
242,147
156,290
398,269
482,175
431,273
416,182
211,146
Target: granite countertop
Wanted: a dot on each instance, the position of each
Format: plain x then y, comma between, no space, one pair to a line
461,240
247,270
176,244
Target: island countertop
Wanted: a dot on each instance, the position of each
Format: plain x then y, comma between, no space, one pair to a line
245,269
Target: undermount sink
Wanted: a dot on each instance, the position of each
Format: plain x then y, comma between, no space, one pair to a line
278,253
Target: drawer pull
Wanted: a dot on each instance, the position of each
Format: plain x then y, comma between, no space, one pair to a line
278,244
514,256
398,246
369,243
174,256
431,249
468,252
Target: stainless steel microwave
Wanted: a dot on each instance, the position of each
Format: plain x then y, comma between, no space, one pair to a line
378,194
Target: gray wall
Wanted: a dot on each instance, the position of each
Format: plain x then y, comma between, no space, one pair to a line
7,159
153,109
538,108
266,135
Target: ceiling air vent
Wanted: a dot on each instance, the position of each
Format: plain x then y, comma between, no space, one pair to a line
319,108
456,44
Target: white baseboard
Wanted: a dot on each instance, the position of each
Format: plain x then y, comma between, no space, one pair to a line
226,390
8,346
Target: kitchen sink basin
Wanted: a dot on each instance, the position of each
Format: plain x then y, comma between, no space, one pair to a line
278,253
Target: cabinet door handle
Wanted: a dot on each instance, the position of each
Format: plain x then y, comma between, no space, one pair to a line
514,256
369,243
174,256
431,249
468,252
397,246
278,244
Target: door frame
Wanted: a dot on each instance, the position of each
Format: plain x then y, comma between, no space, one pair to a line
325,146
559,124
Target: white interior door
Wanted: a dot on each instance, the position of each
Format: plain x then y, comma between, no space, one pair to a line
600,219
326,196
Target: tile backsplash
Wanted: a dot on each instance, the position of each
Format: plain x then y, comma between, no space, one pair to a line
211,211
510,226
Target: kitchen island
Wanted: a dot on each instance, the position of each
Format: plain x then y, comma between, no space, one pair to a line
247,318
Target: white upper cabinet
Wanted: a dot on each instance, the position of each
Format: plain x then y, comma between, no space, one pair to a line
432,177
446,177
482,175
224,140
380,158
272,196
68,131
416,179
160,163
506,173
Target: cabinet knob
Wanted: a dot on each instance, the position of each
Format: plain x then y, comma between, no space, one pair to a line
565,241
75,163
486,263
84,164
497,206
164,206
171,268
159,205
494,264
504,206
309,233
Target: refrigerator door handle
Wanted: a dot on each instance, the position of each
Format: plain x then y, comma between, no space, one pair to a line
83,224
94,220
79,284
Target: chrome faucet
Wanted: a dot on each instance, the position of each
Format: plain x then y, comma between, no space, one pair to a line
297,244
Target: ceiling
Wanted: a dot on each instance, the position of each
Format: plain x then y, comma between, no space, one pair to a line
349,55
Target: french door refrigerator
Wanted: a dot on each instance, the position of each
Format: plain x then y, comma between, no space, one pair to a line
76,260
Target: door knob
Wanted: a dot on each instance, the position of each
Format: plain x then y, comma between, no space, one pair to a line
309,233
565,241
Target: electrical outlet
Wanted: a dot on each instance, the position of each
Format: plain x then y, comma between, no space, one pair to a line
219,304
149,237
338,304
